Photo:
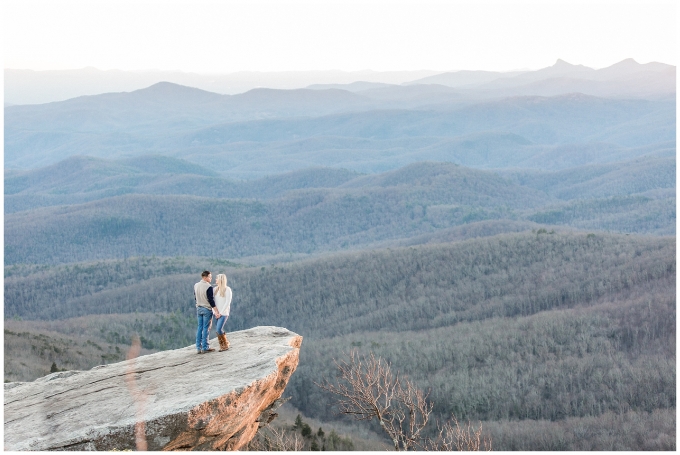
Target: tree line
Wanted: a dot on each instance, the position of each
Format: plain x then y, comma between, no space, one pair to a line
415,200
406,288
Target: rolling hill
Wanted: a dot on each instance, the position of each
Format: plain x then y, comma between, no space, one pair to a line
420,198
602,180
86,208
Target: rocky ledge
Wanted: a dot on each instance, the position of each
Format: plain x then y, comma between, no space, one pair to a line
170,400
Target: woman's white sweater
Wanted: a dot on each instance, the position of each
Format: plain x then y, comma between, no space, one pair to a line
222,303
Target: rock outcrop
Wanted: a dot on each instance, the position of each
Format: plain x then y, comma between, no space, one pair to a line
170,400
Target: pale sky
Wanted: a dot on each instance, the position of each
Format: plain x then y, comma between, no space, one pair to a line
227,36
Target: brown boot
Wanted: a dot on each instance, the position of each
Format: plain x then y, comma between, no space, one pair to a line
224,343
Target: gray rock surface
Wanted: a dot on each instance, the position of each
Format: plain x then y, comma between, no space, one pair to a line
170,400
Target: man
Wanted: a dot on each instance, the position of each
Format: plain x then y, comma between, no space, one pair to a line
205,308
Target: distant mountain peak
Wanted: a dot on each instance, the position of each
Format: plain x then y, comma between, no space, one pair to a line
561,63
627,63
630,66
164,89
165,85
562,66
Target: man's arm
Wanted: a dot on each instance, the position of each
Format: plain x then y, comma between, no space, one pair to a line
209,294
211,301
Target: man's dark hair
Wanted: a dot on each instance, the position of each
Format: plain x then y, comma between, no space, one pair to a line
205,274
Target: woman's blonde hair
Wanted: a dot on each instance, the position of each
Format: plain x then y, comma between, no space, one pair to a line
221,282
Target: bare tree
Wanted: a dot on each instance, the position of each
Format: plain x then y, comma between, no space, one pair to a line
454,437
367,389
276,439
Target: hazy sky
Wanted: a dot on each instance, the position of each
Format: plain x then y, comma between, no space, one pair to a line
226,36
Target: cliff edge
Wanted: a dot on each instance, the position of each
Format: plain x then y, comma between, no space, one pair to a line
170,400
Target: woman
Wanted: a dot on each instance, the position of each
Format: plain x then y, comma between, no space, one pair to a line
222,296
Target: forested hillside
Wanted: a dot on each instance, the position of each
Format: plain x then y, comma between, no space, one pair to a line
303,221
406,288
602,180
82,179
653,214
310,211
507,328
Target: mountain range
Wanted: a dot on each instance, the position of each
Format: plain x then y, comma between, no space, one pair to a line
37,87
264,132
626,78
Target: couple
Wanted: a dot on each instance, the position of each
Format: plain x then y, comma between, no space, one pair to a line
211,301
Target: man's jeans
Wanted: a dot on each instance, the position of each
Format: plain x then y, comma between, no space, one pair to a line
220,324
204,315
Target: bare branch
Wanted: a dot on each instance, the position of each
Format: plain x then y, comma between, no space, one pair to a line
454,437
273,439
368,389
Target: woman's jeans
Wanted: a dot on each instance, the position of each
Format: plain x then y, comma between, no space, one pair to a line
220,324
204,315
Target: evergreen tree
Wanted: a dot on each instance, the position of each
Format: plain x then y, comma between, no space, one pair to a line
306,430
298,423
